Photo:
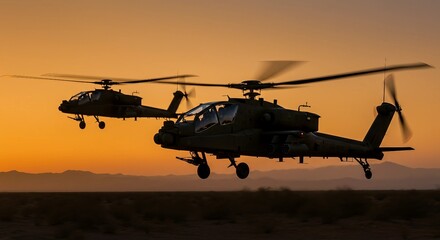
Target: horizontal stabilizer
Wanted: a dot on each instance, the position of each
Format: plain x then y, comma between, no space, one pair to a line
394,149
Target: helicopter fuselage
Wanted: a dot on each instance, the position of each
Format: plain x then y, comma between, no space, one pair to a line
109,103
258,128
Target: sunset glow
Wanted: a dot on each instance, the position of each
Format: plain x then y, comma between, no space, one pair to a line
221,42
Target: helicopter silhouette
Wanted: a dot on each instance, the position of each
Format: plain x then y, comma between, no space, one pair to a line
254,127
106,102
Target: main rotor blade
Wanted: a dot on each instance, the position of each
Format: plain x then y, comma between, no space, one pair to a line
197,84
85,77
274,68
247,86
280,87
157,79
354,74
113,79
50,79
241,86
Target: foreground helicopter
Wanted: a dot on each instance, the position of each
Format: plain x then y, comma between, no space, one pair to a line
108,103
251,127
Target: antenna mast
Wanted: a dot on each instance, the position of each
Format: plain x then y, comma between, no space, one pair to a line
384,76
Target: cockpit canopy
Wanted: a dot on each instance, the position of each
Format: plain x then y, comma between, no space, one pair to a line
84,97
207,115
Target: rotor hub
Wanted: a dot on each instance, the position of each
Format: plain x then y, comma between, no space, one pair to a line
106,83
250,88
248,84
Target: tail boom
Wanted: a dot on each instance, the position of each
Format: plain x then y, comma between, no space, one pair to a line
378,129
174,105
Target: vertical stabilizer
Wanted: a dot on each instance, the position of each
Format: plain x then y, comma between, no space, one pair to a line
174,105
378,129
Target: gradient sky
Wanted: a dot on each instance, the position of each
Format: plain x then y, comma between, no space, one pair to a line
222,42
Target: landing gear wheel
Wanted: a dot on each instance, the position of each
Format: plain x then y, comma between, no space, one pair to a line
242,170
101,125
82,124
203,171
366,166
368,174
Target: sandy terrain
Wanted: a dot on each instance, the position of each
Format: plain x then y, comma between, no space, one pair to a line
222,215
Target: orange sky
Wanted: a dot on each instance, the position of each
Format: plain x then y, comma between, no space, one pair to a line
222,42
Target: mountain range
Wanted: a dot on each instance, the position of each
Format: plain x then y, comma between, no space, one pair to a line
386,176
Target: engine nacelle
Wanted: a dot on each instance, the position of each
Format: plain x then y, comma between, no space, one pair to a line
158,138
285,119
167,138
295,149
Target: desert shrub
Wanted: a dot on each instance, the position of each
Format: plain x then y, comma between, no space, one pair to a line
81,209
67,231
287,202
405,205
121,210
8,208
167,206
217,209
334,205
75,213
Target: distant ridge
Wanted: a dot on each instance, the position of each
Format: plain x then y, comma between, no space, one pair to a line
386,176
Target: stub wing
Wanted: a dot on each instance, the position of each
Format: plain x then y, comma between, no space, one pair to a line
395,149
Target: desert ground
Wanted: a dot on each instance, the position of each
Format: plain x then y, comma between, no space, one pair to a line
261,214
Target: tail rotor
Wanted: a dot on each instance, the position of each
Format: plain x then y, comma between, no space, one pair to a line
187,94
406,131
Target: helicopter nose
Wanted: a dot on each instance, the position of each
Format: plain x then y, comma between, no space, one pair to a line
63,106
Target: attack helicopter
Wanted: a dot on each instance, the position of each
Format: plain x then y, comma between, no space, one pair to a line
106,102
255,127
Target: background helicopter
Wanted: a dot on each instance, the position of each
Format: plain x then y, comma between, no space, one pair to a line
250,127
108,103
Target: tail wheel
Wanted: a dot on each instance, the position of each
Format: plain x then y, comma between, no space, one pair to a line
242,170
366,166
368,174
203,171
